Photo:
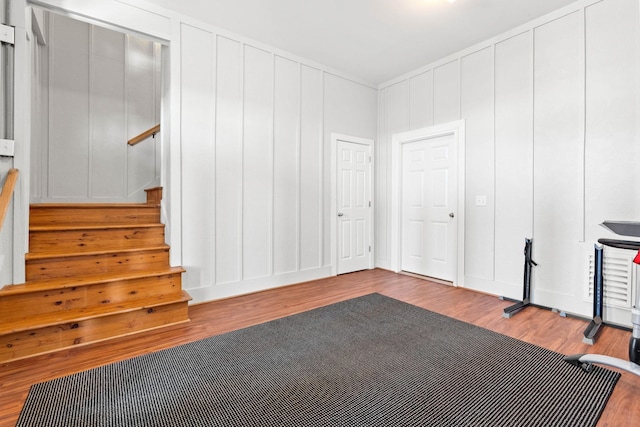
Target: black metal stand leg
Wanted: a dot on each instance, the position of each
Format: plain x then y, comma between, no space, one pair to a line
508,312
591,332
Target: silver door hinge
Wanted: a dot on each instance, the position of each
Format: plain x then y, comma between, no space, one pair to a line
369,203
369,248
7,34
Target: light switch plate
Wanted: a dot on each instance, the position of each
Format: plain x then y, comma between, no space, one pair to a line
7,34
6,147
481,200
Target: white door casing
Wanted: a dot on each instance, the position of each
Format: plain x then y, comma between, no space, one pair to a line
15,16
428,205
454,132
351,203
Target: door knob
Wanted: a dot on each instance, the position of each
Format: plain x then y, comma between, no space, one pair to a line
340,214
451,215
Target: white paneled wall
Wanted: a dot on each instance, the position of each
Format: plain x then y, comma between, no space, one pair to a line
68,138
513,142
101,88
6,236
476,88
286,166
311,183
611,111
349,109
257,167
393,118
446,92
228,161
106,97
421,100
551,115
254,145
558,154
197,153
143,92
246,143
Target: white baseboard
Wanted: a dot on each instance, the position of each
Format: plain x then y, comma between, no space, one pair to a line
228,290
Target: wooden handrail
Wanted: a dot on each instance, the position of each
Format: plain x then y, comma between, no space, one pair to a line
144,135
7,192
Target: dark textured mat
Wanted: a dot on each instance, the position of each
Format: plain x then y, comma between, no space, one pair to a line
369,361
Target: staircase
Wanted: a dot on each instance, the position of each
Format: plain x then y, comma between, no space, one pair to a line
93,272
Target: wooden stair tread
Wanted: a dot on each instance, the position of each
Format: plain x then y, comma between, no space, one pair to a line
93,213
92,205
94,271
53,255
78,315
114,226
73,282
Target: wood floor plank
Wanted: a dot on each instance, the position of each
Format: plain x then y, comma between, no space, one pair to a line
534,325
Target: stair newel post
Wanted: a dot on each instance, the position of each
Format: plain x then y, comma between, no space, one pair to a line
154,195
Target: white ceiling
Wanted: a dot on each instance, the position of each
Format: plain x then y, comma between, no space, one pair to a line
373,40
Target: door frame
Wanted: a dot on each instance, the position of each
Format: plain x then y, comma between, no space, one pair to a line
456,128
333,208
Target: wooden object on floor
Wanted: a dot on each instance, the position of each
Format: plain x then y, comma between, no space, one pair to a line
93,272
537,326
6,193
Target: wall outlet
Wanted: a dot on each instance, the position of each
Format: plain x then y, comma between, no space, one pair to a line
481,200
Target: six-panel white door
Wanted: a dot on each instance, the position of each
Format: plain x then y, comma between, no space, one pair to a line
354,206
429,202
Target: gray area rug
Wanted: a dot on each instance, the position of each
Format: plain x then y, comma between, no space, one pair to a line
369,361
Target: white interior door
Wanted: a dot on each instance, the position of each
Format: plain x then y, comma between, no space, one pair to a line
354,206
428,207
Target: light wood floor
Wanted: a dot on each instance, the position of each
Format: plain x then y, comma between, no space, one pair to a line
537,326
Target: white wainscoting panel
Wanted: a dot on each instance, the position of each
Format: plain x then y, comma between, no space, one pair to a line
558,157
228,161
514,160
197,64
612,150
394,117
446,92
477,109
311,163
257,163
286,180
254,162
69,122
421,100
108,167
